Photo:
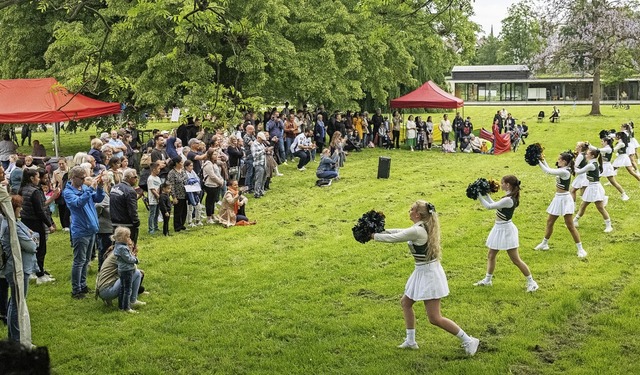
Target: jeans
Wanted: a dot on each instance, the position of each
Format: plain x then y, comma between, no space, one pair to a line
38,227
281,154
153,218
327,174
258,185
126,289
12,309
113,291
304,158
248,178
288,143
103,241
82,247
194,213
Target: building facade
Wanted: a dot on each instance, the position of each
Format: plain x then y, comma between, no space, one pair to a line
515,83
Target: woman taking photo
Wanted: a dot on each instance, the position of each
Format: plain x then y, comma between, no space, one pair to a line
36,218
428,281
504,234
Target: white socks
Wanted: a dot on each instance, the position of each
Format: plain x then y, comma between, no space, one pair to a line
579,246
463,336
529,278
488,277
411,336
545,241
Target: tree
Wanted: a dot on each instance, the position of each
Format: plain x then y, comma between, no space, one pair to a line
520,35
488,49
591,34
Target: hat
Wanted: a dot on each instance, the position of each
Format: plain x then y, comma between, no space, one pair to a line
262,136
164,132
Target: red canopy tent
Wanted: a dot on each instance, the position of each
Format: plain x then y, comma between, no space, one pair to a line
428,95
44,100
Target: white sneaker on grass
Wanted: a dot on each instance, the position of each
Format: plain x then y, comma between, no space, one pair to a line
483,282
130,311
608,229
138,303
582,253
471,346
625,197
408,345
542,246
44,279
532,287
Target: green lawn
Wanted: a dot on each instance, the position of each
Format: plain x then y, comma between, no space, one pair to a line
297,295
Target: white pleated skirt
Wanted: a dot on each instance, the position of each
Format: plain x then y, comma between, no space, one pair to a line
580,181
607,170
428,281
503,236
622,160
633,143
562,204
594,192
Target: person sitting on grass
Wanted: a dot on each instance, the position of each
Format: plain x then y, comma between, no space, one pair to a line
108,284
232,209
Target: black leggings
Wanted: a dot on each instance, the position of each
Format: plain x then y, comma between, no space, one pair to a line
179,215
396,138
212,197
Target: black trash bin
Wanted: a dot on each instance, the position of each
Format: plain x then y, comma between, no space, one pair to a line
384,166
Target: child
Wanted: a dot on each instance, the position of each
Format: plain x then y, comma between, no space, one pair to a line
504,234
164,203
153,184
193,190
125,253
448,147
428,281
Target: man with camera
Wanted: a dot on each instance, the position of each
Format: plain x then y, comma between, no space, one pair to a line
275,127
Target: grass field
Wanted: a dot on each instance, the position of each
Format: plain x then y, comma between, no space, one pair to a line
296,294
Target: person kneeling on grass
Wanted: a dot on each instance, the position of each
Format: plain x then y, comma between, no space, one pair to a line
327,169
428,281
232,209
108,283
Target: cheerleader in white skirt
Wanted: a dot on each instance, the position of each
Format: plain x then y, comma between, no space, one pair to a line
428,281
622,158
580,182
504,234
562,204
633,143
606,151
594,193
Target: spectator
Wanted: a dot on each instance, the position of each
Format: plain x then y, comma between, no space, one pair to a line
476,144
80,193
124,204
213,182
248,140
411,132
153,185
118,147
25,134
457,125
126,257
178,178
319,133
113,170
555,115
108,284
235,158
275,128
28,163
28,246
12,164
15,178
233,205
105,226
35,217
164,204
7,148
258,150
291,132
159,154
327,168
60,177
445,128
96,145
429,130
193,188
302,147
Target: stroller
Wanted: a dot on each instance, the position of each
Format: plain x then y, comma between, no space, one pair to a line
540,116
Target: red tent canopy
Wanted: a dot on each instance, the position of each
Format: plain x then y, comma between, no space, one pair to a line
29,101
428,95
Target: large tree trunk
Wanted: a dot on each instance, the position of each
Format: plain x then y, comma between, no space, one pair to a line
597,90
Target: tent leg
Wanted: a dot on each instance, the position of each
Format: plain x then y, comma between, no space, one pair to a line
56,133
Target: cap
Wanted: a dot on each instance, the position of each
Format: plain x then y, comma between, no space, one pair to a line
262,136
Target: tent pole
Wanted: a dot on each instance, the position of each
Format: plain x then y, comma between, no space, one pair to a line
56,127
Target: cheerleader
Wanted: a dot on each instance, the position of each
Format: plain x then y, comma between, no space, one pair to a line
504,234
622,158
428,281
606,151
633,143
594,193
580,182
562,204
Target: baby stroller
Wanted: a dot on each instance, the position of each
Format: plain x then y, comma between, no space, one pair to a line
540,116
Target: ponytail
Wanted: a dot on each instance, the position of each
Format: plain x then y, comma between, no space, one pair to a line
429,216
515,188
596,155
568,157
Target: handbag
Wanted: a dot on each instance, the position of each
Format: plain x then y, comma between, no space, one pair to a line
145,160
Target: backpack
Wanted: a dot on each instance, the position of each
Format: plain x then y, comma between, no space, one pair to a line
145,160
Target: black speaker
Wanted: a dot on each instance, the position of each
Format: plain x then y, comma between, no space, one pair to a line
384,166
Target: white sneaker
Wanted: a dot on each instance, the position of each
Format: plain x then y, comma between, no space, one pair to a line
130,311
65,229
279,174
625,197
210,221
471,346
542,246
192,225
532,287
575,223
582,253
483,282
608,229
200,223
302,169
33,276
44,279
138,303
407,345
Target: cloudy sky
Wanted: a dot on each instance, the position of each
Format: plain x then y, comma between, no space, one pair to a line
490,12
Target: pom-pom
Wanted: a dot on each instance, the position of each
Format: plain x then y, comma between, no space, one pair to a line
534,154
481,187
371,222
494,186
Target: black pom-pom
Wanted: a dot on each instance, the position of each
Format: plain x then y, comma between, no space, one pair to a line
533,154
480,187
371,222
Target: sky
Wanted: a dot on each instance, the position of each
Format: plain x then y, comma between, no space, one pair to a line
490,12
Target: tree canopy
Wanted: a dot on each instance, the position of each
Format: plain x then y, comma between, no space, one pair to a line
219,56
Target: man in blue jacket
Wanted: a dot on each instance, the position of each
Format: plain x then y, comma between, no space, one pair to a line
80,194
